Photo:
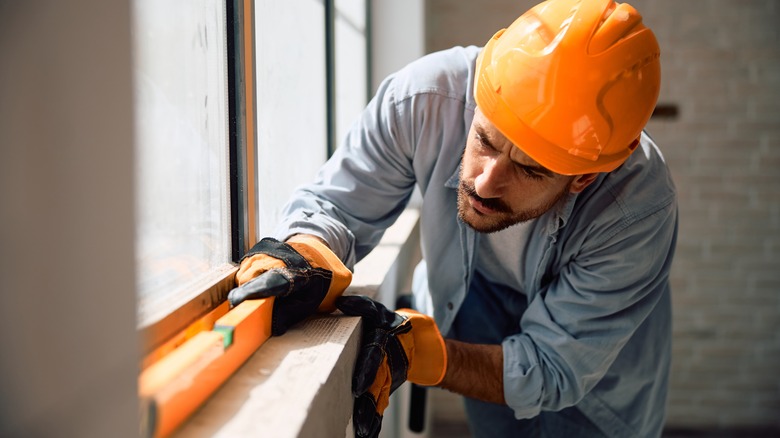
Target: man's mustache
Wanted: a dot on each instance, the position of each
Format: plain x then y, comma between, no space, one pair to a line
468,189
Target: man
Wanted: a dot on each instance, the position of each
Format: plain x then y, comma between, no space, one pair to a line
548,220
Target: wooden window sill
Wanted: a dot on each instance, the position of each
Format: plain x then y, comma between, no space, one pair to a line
299,384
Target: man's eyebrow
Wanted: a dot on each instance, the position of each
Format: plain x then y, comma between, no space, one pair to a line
533,167
537,168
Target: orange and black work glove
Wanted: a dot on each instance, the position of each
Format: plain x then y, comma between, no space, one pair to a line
303,274
396,346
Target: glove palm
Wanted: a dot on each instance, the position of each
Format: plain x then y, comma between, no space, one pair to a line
396,346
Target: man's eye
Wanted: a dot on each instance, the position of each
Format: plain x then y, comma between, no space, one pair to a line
529,172
482,142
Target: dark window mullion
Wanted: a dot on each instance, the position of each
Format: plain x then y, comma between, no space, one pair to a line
237,127
330,75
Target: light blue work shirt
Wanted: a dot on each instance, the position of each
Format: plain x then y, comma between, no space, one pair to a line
597,330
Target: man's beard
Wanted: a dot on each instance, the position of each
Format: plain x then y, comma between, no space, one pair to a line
505,217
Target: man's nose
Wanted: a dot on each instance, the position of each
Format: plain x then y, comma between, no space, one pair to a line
494,179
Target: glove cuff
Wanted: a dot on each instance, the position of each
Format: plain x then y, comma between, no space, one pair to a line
320,256
428,363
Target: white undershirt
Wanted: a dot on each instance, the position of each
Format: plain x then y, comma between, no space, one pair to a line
500,255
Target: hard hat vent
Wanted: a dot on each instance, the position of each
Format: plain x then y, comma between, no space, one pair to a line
619,22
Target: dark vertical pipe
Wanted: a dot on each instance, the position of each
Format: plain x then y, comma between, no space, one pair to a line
330,74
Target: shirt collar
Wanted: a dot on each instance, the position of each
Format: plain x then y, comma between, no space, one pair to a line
560,214
454,180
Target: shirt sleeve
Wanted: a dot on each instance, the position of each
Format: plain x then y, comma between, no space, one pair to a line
363,188
574,329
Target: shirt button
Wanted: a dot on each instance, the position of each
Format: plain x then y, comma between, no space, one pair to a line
449,305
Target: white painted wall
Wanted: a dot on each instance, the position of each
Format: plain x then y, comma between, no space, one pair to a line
351,63
398,35
68,346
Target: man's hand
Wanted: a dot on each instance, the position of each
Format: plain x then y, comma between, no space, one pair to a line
303,274
400,346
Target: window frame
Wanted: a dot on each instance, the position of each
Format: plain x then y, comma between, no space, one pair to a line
239,15
242,174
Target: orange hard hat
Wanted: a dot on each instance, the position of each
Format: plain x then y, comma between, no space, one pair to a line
571,83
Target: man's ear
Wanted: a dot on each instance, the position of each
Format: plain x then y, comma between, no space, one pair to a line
580,182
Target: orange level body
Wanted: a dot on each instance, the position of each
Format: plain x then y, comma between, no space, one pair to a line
174,386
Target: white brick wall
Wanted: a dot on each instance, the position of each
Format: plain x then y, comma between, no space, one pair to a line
721,67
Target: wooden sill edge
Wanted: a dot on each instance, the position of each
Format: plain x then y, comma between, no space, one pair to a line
183,373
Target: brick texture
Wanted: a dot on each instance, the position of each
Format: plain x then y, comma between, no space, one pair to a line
721,68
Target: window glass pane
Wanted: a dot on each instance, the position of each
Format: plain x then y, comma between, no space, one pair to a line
351,64
183,235
291,101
